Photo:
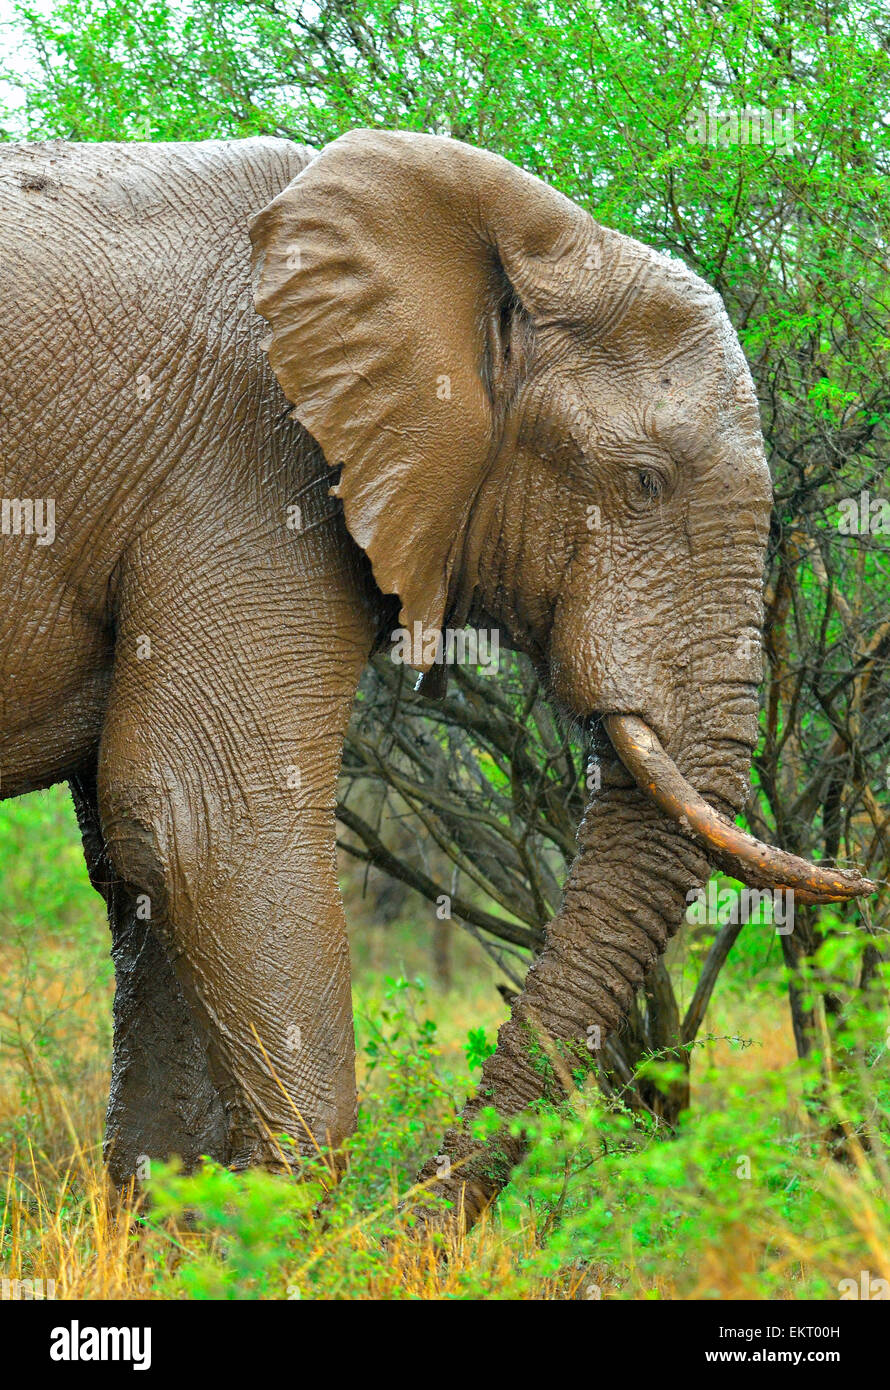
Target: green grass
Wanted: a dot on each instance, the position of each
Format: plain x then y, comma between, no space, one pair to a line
744,1203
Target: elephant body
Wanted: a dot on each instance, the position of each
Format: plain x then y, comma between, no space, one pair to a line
138,400
534,421
130,343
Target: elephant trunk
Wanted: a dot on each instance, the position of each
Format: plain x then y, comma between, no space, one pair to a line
645,841
624,898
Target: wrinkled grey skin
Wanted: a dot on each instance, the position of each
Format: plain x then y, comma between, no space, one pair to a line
136,394
178,650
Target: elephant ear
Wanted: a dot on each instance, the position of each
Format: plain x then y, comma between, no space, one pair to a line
402,276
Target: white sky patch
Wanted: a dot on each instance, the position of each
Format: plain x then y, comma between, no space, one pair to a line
14,53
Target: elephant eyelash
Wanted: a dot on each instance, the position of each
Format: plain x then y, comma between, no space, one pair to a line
652,484
655,483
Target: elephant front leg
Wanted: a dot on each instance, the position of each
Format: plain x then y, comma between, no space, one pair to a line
216,784
162,1101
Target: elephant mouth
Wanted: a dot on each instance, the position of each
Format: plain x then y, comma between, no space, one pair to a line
731,849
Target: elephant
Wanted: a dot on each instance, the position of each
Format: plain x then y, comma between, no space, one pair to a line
263,407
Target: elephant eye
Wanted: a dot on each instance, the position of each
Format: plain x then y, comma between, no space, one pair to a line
651,484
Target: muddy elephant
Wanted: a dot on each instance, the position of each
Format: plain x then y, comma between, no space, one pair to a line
263,406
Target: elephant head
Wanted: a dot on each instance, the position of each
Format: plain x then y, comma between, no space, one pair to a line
545,422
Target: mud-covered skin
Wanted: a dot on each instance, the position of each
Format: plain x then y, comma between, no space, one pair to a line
161,1073
535,419
136,395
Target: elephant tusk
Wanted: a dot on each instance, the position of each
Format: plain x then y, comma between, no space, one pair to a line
733,850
